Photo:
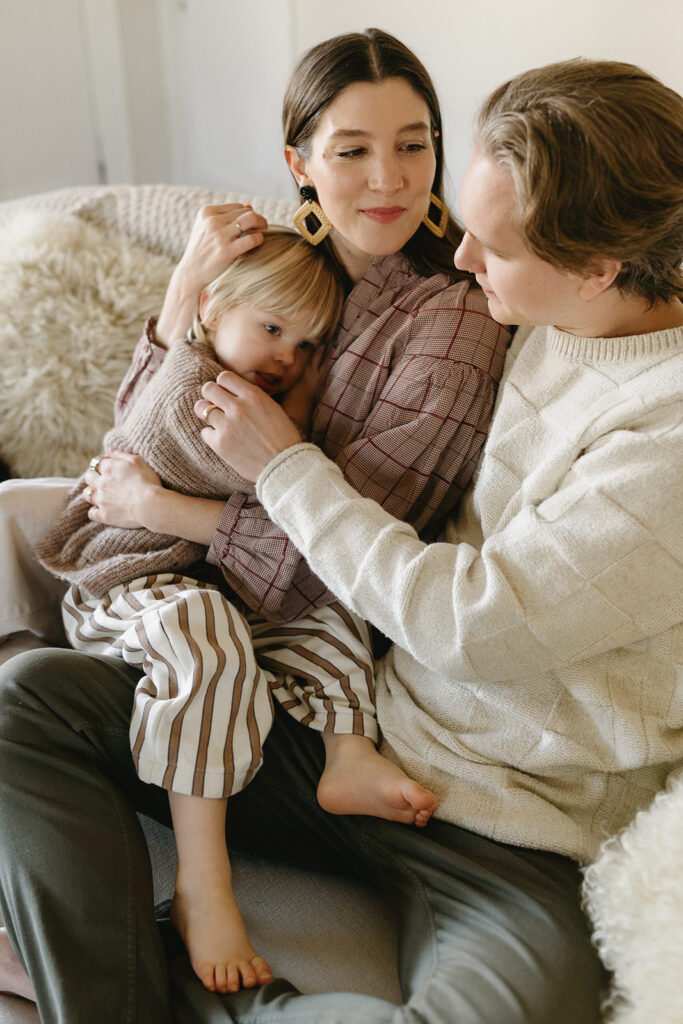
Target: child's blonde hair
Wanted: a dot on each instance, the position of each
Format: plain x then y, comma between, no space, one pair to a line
285,276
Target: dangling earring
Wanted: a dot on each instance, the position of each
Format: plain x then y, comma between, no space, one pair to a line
311,206
438,229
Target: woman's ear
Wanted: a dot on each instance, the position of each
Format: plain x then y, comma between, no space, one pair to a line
606,272
203,303
297,165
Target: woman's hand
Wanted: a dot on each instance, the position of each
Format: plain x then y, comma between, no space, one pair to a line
299,400
120,490
245,426
219,235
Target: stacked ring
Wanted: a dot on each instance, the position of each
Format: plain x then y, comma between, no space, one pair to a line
95,462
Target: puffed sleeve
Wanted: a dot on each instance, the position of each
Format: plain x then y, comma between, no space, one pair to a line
424,423
147,358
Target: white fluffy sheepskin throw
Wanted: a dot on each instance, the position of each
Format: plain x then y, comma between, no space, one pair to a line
72,306
634,896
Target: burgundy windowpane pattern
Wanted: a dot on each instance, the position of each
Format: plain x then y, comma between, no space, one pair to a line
404,406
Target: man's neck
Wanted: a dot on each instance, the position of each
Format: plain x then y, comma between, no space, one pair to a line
619,316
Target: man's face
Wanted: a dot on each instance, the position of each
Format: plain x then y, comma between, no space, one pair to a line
521,288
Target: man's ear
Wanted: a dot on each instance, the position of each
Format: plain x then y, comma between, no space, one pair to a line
297,166
605,274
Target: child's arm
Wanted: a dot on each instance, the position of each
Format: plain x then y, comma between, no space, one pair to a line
127,493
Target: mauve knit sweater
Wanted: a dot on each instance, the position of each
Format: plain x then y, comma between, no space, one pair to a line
163,429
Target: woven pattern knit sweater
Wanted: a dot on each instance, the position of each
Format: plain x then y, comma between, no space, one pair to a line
162,428
535,679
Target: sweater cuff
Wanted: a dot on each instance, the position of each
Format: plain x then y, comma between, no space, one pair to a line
283,468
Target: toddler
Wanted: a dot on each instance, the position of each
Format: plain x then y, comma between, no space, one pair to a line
200,718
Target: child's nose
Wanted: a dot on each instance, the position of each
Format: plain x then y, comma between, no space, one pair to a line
285,355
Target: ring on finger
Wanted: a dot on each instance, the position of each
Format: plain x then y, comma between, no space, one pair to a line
205,413
239,228
95,462
88,494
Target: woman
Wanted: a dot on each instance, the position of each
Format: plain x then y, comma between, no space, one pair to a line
404,404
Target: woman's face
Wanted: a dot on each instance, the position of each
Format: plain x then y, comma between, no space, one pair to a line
372,164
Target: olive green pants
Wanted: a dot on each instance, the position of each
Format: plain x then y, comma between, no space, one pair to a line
489,934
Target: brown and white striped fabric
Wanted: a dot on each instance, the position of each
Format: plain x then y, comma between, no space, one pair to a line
204,705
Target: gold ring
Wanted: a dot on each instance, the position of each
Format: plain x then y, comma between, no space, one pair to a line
94,463
205,413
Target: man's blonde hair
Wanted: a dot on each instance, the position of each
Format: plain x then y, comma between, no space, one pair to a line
595,149
285,276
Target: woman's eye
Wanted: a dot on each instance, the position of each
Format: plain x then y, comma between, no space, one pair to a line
350,153
273,329
414,147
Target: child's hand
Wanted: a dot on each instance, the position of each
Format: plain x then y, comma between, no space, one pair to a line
298,402
120,490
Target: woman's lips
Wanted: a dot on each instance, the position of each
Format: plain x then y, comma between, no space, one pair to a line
384,214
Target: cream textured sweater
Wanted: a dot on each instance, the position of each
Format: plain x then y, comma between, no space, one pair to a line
535,680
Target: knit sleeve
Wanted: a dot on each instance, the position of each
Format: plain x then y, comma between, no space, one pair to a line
593,567
415,454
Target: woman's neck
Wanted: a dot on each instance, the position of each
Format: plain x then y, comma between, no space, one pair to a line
354,261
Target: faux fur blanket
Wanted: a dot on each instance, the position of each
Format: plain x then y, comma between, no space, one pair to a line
72,306
634,897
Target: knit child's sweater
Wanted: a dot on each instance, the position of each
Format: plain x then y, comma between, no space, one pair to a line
535,681
163,429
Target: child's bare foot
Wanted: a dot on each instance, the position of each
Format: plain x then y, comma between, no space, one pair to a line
209,922
13,978
358,780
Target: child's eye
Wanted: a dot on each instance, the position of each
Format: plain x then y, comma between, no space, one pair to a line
307,346
273,329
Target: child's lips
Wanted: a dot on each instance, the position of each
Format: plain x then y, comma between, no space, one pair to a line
267,381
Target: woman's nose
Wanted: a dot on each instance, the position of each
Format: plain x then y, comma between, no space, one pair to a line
386,176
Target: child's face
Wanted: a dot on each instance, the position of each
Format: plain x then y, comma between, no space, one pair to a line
268,350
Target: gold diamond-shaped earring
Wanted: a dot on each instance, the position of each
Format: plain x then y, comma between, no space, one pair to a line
437,228
311,207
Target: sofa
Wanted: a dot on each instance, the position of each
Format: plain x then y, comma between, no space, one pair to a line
79,270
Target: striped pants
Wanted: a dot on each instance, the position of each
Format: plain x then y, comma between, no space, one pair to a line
204,705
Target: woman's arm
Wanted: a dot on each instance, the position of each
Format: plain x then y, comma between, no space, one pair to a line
214,243
126,492
219,235
415,454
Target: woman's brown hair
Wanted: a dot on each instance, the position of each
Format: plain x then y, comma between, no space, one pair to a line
595,149
370,56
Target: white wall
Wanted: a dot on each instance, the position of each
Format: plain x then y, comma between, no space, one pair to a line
470,46
190,90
